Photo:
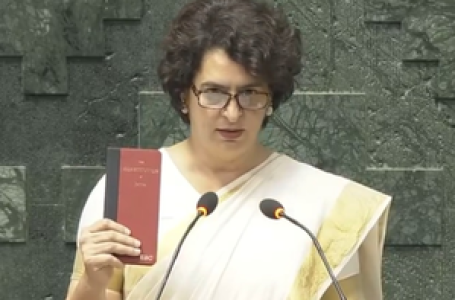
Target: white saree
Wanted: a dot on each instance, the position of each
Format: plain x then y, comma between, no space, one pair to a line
238,254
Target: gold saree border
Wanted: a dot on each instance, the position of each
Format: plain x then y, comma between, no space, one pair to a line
339,235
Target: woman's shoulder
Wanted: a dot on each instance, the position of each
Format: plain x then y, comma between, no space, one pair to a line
324,178
333,191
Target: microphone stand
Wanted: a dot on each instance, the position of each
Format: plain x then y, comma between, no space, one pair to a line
321,254
176,253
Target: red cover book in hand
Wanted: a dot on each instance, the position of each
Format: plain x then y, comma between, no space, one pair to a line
133,179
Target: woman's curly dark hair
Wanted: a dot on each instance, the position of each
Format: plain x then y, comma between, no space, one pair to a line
255,35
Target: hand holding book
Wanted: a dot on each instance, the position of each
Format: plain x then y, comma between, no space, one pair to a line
100,243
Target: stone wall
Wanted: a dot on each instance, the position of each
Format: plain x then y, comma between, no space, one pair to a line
375,103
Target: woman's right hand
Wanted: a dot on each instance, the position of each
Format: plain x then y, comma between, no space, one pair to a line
99,243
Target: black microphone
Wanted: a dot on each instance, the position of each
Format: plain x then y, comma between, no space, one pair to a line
205,206
275,210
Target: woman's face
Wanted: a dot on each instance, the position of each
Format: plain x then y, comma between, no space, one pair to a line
220,124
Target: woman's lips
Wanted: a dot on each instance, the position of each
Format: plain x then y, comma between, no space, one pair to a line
230,134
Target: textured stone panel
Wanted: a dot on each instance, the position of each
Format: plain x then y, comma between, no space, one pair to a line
159,124
385,10
448,242
10,70
416,73
45,223
13,214
35,32
402,116
41,267
334,44
77,183
35,271
37,135
413,273
103,109
379,12
130,67
444,83
383,54
50,133
416,36
81,25
427,35
123,10
403,130
428,26
10,101
156,21
46,33
418,202
324,130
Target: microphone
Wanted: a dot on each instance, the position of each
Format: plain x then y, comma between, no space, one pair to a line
205,206
275,210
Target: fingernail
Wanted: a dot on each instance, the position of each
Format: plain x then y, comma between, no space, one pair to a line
137,243
127,231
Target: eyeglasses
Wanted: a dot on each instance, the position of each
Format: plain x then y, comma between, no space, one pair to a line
213,98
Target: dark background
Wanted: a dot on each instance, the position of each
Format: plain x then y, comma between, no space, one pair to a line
374,103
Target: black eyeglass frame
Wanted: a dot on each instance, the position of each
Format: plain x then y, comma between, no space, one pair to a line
197,92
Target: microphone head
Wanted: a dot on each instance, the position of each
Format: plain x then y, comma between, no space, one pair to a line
207,203
271,208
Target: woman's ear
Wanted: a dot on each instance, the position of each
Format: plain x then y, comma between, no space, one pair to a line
183,98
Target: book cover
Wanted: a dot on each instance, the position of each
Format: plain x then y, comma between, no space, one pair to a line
133,180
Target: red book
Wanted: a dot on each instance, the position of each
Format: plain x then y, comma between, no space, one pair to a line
133,179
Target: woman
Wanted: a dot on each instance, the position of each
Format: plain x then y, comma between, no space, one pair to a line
228,65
